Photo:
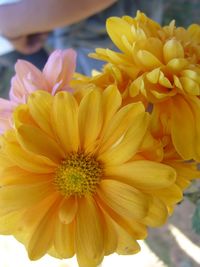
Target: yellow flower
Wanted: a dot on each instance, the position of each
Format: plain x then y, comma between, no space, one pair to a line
163,65
160,148
71,180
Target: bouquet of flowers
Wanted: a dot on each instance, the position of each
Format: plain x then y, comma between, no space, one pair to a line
88,164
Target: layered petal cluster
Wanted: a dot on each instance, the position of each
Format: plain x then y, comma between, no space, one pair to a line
163,64
55,77
73,178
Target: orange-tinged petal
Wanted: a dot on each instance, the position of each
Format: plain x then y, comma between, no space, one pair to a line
123,199
157,214
134,227
90,118
36,141
29,161
89,232
14,175
68,210
64,239
42,237
183,134
130,143
127,245
143,173
110,235
170,195
65,120
120,123
9,222
40,105
187,170
21,115
15,197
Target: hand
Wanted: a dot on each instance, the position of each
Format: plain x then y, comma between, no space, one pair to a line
29,44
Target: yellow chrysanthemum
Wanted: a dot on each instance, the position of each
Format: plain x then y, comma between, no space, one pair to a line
72,180
165,152
163,63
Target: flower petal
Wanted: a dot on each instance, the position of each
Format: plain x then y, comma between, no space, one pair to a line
123,199
89,232
27,160
42,238
90,118
111,102
40,105
157,214
36,141
143,173
121,121
65,120
127,245
64,239
67,210
127,147
183,134
15,197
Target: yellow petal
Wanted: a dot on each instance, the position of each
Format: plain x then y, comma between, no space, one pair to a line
148,60
90,118
29,161
15,197
40,105
65,120
157,214
130,143
9,223
42,238
183,134
120,123
110,235
187,170
89,233
116,28
153,76
127,245
64,239
135,228
15,176
177,64
170,196
67,210
172,49
36,141
123,199
21,115
190,86
143,173
111,102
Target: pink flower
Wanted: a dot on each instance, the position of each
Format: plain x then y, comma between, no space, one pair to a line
55,77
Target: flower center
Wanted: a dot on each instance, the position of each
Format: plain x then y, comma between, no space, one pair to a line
78,175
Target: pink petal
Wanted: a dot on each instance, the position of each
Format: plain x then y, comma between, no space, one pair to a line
59,68
27,79
6,109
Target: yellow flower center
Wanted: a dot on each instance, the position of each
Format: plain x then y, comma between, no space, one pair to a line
78,175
